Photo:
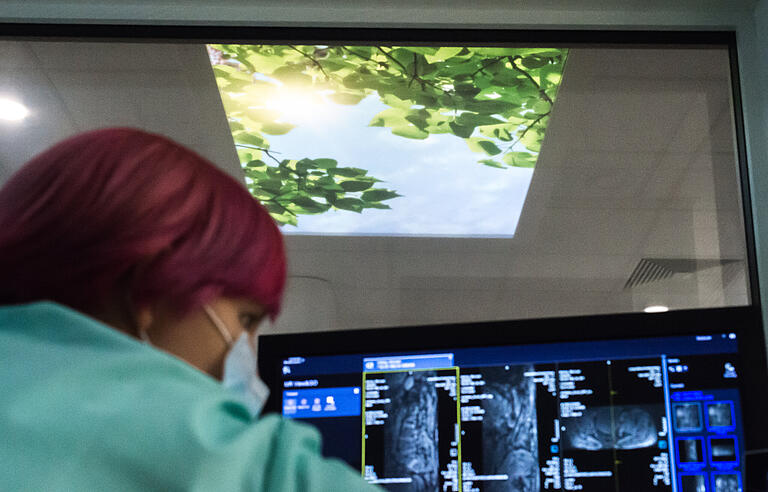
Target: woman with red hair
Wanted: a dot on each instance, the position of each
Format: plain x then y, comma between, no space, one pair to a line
133,276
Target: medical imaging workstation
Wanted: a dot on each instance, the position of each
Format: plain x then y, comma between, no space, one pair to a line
585,403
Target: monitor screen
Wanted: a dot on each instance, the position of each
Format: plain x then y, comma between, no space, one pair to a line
618,413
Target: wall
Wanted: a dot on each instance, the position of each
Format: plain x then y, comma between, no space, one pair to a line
754,81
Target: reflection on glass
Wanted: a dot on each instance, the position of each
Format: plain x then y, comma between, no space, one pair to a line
425,184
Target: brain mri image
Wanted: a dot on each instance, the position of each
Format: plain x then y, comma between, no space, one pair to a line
619,427
719,414
693,483
727,483
687,416
510,437
413,430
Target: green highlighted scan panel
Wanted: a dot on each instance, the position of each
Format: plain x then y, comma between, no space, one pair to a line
412,417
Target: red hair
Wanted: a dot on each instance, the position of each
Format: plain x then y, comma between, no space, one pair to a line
122,206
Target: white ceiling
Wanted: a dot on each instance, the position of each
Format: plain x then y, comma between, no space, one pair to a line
638,163
72,87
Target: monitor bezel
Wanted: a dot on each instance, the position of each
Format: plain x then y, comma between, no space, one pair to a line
745,321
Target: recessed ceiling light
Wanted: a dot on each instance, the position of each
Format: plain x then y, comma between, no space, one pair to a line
12,110
656,309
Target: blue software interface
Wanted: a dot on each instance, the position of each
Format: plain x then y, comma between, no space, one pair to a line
650,414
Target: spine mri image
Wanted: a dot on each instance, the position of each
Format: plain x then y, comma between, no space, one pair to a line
592,425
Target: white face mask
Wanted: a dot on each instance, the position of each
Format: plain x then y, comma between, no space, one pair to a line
240,367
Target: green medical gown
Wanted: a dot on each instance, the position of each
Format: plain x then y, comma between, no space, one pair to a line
85,407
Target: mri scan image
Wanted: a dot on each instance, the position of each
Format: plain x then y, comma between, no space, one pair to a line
623,427
719,414
687,416
727,483
510,437
690,451
693,483
413,430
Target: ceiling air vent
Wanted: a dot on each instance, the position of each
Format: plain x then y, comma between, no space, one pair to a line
654,269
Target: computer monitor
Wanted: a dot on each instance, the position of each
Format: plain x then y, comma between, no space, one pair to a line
662,402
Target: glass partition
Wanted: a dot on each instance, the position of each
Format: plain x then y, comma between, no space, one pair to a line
423,183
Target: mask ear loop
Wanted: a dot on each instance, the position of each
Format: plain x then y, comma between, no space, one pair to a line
145,337
219,324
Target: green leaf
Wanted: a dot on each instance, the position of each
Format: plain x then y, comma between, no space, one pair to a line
423,50
410,131
379,195
263,64
520,159
354,81
255,164
325,163
382,206
274,128
542,107
310,204
461,131
352,186
231,73
531,140
292,75
482,145
347,98
495,51
305,165
443,54
533,61
246,155
390,117
251,139
270,185
418,118
275,208
328,184
492,163
352,204
347,172
474,119
285,219
395,102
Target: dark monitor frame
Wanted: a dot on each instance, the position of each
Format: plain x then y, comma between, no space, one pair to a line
745,321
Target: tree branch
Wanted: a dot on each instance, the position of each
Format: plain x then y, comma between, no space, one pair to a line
392,58
310,58
513,62
415,72
415,75
274,200
486,65
527,129
266,151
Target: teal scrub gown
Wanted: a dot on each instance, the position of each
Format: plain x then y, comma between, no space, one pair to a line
85,407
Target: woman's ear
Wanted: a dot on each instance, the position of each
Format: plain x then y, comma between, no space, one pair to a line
144,318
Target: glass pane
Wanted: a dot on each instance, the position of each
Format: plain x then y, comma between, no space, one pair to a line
427,184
